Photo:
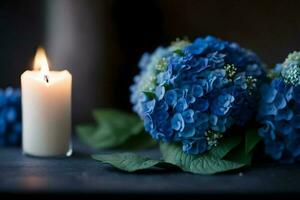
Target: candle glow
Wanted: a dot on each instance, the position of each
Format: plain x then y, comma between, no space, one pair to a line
41,63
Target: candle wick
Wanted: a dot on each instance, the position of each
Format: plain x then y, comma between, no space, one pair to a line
46,78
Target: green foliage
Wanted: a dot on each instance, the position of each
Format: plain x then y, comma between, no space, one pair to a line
179,52
251,140
239,155
230,154
225,146
208,163
129,162
114,129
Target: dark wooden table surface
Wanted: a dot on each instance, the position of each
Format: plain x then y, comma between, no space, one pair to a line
80,174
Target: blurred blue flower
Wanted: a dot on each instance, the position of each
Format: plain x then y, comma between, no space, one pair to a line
10,117
279,111
193,92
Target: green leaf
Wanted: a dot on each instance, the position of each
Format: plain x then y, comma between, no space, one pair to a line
239,155
150,95
129,162
251,140
113,129
178,52
119,120
86,132
137,142
244,151
225,146
200,164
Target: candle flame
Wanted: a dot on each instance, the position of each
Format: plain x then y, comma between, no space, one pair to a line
41,63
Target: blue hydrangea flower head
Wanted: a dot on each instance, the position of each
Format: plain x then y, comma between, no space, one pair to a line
193,92
279,111
10,117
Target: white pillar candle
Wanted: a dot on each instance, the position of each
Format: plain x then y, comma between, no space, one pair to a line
46,110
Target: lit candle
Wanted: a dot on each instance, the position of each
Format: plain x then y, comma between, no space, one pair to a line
46,109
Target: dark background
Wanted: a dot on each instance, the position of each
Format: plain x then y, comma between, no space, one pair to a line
100,42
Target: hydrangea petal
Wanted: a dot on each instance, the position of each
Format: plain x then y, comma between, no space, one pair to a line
201,105
213,120
148,106
197,91
197,47
188,116
163,77
289,94
177,122
220,125
280,101
296,94
181,105
190,99
165,131
284,128
296,121
148,123
160,92
284,114
269,93
222,104
195,147
161,115
274,149
187,133
171,97
144,61
267,130
268,109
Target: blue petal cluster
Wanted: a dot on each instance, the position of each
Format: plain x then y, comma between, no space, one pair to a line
10,117
199,90
146,80
279,111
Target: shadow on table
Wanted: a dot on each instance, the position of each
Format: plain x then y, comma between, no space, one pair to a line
147,172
